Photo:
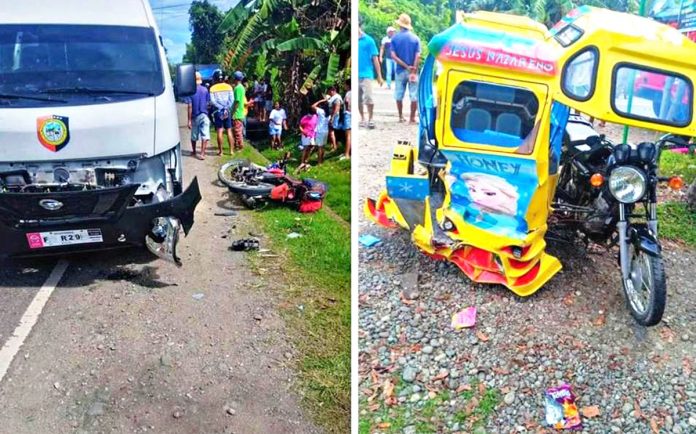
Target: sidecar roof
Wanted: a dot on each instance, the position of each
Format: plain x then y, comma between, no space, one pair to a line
620,39
627,33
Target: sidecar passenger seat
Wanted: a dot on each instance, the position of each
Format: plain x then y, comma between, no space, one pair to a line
509,123
477,119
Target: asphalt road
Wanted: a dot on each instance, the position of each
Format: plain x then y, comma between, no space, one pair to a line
130,343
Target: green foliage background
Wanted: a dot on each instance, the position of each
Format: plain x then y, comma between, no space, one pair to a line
430,17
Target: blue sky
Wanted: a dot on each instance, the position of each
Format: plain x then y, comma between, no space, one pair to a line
172,19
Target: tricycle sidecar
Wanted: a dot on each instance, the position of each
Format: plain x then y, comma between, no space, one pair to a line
495,95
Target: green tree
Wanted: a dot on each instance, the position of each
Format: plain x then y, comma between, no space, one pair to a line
300,45
204,19
427,17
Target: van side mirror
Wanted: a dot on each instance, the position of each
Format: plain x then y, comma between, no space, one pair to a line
185,83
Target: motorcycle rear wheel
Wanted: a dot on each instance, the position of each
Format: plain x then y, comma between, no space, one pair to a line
645,288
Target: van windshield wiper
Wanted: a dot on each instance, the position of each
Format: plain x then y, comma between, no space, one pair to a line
95,90
34,98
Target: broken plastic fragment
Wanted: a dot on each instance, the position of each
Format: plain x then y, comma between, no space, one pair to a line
294,235
464,318
369,240
198,296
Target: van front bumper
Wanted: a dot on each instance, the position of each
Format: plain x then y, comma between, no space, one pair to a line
104,212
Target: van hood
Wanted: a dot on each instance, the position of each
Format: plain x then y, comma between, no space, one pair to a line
90,131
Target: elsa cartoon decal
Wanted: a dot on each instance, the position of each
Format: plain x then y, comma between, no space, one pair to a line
487,201
491,194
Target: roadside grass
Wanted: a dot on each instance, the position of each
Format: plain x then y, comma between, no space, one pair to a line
672,163
676,221
474,408
316,300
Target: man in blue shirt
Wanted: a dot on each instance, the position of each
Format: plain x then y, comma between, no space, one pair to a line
405,50
198,120
368,64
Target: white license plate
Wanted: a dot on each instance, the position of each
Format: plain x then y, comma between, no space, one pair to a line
38,240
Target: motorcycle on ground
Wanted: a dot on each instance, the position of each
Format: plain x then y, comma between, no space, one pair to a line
257,185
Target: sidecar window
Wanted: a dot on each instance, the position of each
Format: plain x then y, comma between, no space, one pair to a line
579,75
494,114
651,95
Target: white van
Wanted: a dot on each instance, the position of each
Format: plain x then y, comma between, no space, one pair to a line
89,138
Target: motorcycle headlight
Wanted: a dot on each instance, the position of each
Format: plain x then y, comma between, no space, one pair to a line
627,184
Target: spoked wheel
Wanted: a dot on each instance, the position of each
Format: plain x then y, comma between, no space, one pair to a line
645,288
228,175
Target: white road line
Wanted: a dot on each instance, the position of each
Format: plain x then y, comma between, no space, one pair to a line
14,343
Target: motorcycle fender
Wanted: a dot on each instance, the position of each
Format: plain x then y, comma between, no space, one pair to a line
643,239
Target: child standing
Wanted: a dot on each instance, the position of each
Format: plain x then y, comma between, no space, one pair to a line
308,129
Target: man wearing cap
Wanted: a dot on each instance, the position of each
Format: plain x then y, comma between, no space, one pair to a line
198,120
385,55
368,64
238,111
221,98
405,50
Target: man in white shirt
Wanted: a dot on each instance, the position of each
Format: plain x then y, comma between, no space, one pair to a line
277,122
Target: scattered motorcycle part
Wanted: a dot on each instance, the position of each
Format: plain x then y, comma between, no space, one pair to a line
245,245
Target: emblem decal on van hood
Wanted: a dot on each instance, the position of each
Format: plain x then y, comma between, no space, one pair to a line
53,132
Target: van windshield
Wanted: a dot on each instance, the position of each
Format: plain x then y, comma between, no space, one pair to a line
48,64
495,115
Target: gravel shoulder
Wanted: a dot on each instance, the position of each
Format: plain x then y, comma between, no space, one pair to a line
132,344
577,329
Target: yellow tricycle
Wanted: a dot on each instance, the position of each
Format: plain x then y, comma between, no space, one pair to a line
500,150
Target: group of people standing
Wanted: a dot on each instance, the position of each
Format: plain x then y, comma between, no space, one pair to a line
399,53
322,122
229,106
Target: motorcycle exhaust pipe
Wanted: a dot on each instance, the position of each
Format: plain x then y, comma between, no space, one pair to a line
163,238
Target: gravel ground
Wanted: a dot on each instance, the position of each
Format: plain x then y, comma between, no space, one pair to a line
576,329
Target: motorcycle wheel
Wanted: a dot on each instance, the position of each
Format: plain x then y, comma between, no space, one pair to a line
645,288
226,175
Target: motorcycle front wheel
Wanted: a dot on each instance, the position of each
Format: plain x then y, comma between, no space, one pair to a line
645,287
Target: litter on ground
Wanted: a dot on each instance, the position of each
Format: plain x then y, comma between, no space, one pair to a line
464,318
561,410
369,240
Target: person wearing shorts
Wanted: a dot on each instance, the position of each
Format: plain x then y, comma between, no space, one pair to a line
277,121
221,97
335,115
368,64
198,120
405,50
308,131
322,131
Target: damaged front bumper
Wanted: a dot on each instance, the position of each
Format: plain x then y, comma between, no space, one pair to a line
78,221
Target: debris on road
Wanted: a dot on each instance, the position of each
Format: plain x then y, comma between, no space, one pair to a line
561,410
245,244
464,318
198,296
226,214
369,240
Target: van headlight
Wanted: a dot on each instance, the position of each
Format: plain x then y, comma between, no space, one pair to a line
627,184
